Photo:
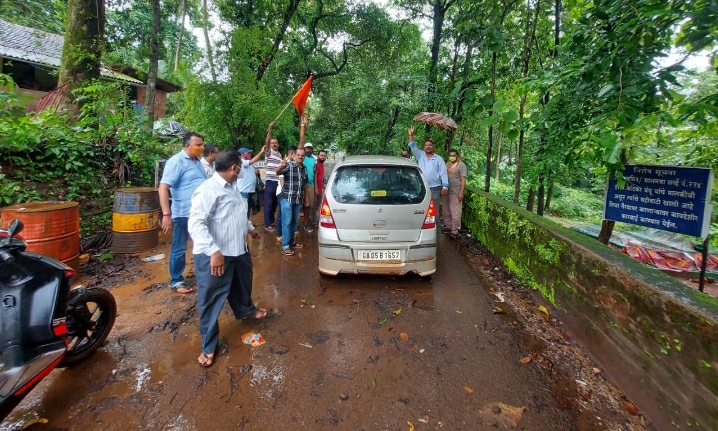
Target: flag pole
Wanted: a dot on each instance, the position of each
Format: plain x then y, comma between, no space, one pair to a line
285,108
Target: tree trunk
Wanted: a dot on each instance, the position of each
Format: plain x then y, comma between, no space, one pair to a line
390,129
499,137
540,197
511,151
288,14
81,50
606,231
154,59
489,149
531,198
205,25
438,22
548,196
181,33
527,60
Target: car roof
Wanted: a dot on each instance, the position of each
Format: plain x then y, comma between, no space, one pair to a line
374,160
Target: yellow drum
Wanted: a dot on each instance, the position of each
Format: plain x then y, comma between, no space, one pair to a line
136,219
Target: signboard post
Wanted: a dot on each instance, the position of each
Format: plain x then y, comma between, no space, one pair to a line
671,198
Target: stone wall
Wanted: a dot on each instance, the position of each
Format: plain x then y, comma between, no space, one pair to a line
654,336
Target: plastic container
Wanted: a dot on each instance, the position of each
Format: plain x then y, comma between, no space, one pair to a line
154,257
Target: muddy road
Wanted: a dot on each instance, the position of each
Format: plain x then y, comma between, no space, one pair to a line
348,353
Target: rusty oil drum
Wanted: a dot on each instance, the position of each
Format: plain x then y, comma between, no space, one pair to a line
136,219
50,228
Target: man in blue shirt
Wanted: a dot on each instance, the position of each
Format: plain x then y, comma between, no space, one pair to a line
247,182
433,167
310,163
182,175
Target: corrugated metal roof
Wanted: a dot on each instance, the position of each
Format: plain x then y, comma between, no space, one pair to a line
27,44
22,43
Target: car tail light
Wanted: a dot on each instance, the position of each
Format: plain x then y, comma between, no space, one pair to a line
430,219
325,216
69,273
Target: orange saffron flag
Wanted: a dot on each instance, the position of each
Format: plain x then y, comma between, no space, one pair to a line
300,99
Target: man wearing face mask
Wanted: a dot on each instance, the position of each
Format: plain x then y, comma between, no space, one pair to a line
452,204
432,165
219,226
272,159
182,175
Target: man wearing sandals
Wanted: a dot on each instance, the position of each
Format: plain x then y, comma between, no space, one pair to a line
219,225
295,191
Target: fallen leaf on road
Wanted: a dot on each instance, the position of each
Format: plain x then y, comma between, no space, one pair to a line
543,310
383,321
501,415
498,310
34,422
468,390
494,329
425,419
373,382
397,312
565,335
304,301
458,311
596,371
526,360
411,426
632,409
404,336
306,345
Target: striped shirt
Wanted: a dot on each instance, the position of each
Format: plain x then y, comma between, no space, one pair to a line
295,178
218,219
273,160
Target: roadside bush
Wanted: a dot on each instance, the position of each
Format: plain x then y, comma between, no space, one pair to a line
49,157
576,204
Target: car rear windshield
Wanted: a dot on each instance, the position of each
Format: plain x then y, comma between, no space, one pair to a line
373,185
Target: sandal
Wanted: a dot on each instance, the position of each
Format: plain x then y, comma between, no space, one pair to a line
181,289
297,246
206,360
287,252
260,314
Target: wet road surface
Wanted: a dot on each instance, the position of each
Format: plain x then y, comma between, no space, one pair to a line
350,353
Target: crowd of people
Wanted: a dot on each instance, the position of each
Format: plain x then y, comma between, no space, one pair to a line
214,194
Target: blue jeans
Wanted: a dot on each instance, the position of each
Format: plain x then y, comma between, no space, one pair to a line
180,235
234,286
290,217
271,201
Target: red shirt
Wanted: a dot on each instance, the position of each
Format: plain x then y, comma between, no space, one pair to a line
319,177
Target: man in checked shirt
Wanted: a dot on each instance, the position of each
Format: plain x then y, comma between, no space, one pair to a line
295,192
219,225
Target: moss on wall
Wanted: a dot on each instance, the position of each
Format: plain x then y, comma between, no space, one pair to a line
664,334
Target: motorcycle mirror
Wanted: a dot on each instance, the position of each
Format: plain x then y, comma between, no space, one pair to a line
15,227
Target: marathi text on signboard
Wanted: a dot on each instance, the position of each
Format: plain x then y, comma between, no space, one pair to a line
675,199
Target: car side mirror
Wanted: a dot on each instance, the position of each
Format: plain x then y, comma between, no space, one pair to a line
15,227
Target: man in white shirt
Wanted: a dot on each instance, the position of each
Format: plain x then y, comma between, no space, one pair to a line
208,156
219,225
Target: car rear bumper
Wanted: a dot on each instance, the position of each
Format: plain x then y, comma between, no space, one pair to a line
332,262
334,267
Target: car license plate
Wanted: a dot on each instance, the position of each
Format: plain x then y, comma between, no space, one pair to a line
378,254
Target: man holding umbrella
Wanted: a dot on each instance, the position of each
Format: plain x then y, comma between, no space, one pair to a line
432,165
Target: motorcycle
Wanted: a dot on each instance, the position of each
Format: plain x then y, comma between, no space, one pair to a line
43,323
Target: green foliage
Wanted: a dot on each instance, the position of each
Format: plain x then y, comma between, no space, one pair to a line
576,204
47,157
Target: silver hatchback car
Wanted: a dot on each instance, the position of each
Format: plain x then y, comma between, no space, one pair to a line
377,217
